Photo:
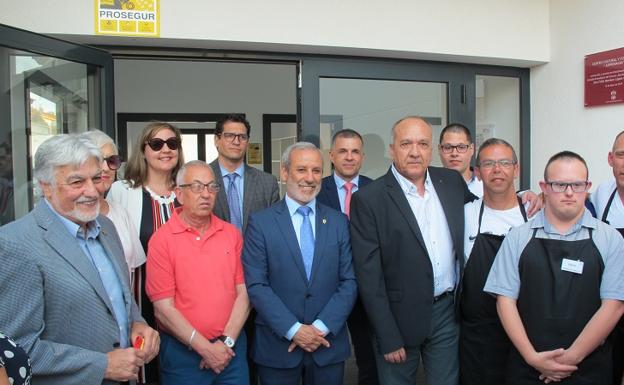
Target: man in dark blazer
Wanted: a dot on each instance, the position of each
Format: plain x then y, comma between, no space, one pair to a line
407,236
347,154
255,189
249,191
300,279
64,281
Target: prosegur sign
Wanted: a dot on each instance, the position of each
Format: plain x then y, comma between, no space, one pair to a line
604,78
127,17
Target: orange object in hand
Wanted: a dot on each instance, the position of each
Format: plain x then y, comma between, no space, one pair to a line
139,342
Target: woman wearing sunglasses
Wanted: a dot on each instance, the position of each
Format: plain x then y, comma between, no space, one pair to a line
147,194
133,251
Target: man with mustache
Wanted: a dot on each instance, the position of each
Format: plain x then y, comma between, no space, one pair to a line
64,280
300,280
195,280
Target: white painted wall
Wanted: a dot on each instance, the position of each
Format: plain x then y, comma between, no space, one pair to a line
481,31
559,119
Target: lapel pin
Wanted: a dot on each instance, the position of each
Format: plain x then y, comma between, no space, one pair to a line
324,221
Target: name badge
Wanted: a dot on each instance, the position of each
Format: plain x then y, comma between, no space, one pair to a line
572,266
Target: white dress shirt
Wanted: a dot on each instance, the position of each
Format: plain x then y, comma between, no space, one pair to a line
435,231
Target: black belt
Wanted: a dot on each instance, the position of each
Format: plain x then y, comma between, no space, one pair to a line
442,296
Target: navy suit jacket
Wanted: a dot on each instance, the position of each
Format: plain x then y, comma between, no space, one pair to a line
281,293
329,191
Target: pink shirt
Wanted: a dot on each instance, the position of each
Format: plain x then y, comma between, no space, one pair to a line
200,273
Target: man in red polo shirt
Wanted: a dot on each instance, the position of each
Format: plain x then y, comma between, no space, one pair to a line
195,280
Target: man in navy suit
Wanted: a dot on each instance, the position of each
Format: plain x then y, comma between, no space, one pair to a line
300,279
347,154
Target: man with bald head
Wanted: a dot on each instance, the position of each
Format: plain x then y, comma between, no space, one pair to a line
195,279
407,237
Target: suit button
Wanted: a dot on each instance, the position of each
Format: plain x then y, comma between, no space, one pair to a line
308,296
116,345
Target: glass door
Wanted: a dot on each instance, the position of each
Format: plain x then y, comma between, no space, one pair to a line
49,87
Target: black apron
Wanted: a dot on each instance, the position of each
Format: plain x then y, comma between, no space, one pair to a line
555,305
483,343
617,336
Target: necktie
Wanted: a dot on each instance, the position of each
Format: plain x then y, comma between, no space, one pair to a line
347,205
306,239
233,200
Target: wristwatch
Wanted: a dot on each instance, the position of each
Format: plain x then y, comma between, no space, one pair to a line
228,341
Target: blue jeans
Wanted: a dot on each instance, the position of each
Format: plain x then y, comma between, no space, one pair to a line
179,365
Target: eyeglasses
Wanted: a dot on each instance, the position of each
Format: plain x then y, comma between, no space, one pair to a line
448,148
198,187
231,136
503,163
156,143
113,162
576,187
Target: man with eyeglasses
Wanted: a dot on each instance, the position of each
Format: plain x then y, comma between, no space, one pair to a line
483,344
195,280
456,150
245,188
608,199
64,281
558,284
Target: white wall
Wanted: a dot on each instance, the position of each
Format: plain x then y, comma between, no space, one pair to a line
479,31
559,119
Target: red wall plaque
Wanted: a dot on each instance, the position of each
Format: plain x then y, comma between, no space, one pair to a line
604,78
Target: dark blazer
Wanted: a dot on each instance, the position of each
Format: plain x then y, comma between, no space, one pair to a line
281,293
391,261
329,191
260,191
53,302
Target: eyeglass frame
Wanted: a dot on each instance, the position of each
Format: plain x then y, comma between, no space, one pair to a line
448,148
230,137
177,143
490,164
212,186
108,162
568,184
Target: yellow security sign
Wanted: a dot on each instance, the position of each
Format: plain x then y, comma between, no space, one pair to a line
127,17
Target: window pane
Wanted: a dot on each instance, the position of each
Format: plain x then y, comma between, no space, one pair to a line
371,107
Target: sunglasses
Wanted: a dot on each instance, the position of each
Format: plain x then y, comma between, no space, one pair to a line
113,162
156,143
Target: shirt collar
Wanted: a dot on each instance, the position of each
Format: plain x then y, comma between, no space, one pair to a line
293,205
239,171
179,226
540,222
406,185
93,227
341,182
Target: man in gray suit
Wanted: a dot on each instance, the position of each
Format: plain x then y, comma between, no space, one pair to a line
245,189
64,280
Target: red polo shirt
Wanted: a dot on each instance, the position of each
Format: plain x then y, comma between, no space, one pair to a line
199,272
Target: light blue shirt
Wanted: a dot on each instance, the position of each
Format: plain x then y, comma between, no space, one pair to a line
504,276
342,192
297,220
239,182
102,263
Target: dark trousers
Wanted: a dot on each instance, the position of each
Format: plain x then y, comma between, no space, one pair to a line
308,370
361,337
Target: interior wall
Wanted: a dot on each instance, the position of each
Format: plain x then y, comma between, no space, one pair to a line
559,120
479,31
143,86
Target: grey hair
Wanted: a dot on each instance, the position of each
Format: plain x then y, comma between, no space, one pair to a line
494,142
193,163
99,138
392,131
296,146
63,150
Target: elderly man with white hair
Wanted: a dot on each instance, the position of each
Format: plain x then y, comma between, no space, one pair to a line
64,282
